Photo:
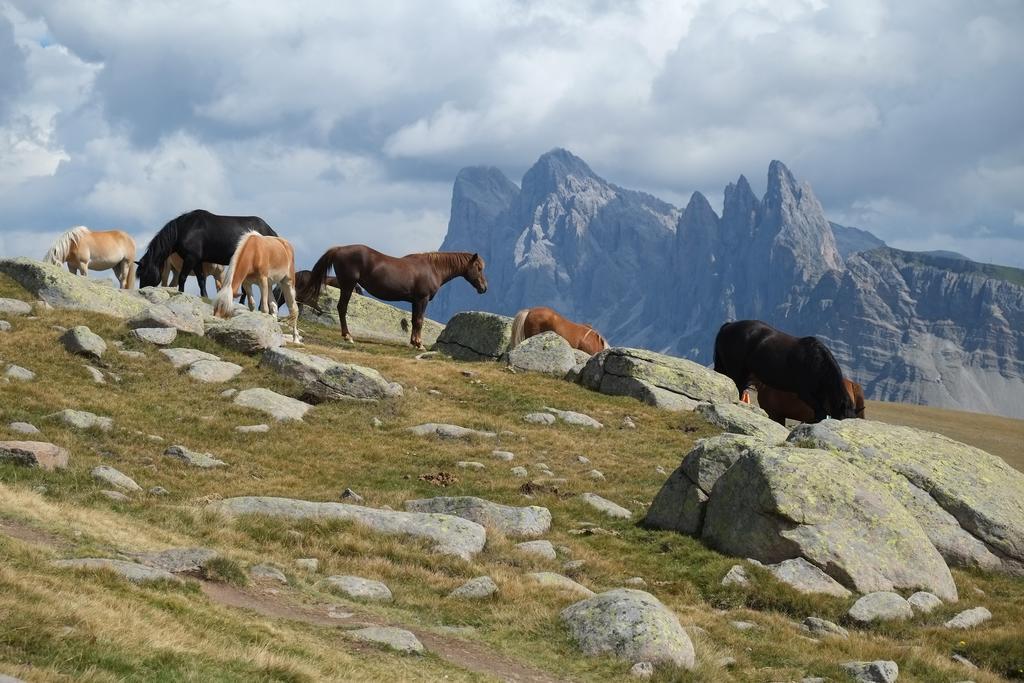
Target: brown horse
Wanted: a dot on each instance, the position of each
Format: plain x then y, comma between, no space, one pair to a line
532,321
82,249
414,278
782,404
263,261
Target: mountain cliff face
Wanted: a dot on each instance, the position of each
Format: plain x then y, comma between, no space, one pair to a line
909,326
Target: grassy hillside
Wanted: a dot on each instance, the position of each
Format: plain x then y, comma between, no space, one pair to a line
58,625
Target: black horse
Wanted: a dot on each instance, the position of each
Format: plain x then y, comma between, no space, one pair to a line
748,350
196,236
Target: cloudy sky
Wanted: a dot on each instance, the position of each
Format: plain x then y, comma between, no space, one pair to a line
346,122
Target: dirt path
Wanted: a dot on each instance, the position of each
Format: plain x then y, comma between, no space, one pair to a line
460,653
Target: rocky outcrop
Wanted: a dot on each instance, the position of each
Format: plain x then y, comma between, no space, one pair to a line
63,290
473,335
742,418
178,313
250,332
369,319
546,352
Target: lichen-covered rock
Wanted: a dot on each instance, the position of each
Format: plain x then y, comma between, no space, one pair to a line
160,336
450,535
512,521
882,671
251,332
542,549
778,503
823,627
475,335
213,371
742,418
656,379
558,582
14,307
82,341
83,419
397,639
447,431
806,578
969,618
606,506
134,572
182,358
178,314
358,588
969,503
192,458
571,417
631,625
546,352
40,454
475,589
114,477
279,407
347,382
61,289
923,602
880,606
178,560
369,319
302,367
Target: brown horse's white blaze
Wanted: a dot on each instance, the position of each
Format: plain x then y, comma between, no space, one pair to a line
263,261
532,321
172,271
84,250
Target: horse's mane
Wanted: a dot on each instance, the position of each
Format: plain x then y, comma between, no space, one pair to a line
60,249
456,259
160,247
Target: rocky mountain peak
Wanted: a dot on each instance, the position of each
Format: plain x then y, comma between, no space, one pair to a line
552,170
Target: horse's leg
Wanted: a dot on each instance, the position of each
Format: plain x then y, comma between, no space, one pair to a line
249,297
192,266
346,294
293,310
264,294
419,309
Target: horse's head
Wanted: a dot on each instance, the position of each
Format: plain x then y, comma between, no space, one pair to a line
474,273
147,271
841,406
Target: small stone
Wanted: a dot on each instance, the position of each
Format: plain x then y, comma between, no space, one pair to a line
433,392
155,438
503,455
351,496
81,419
96,374
266,572
115,478
582,459
923,602
377,423
636,581
160,336
449,431
542,549
23,428
743,625
726,662
277,406
823,627
606,506
574,565
963,661
14,307
397,639
137,355
475,589
574,418
5,326
82,341
969,618
736,576
642,670
202,460
308,564
872,672
158,491
358,588
519,472
627,423
559,582
228,393
253,429
540,418
596,475
660,470
116,496
16,372
880,606
470,465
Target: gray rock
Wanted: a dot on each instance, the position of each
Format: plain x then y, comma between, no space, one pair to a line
512,521
175,314
23,428
806,578
158,491
302,367
743,418
183,358
115,478
636,582
358,588
81,419
351,496
539,418
346,382
470,465
627,423
397,639
475,589
134,572
559,583
642,670
574,418
82,341
743,625
736,576
656,379
14,307
447,431
881,671
178,560
63,290
137,355
5,326
778,503
34,454
542,549
192,458
923,602
546,352
213,371
823,627
606,506
96,374
963,661
279,407
253,429
369,319
308,564
631,625
266,572
115,496
582,459
16,372
969,618
596,475
160,336
519,472
475,336
880,606
449,535
250,332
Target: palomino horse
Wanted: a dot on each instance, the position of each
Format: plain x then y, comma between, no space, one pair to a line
172,272
785,404
414,278
199,237
82,249
750,349
262,261
532,321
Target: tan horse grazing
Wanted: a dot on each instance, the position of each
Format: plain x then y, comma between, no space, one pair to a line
263,261
172,271
782,404
84,250
532,321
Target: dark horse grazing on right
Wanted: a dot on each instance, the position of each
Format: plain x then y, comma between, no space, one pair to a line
414,278
750,350
785,404
197,236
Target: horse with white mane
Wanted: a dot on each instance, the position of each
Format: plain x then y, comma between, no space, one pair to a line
82,249
264,261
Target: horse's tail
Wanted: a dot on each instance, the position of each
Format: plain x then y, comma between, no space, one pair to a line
58,253
227,290
130,281
311,290
518,328
719,361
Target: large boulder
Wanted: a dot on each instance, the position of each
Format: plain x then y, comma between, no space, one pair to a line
475,335
302,367
656,379
743,418
278,406
64,290
449,535
546,352
330,380
631,625
511,521
969,503
39,454
177,313
369,319
250,332
778,503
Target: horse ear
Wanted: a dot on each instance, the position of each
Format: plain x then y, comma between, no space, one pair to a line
476,257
